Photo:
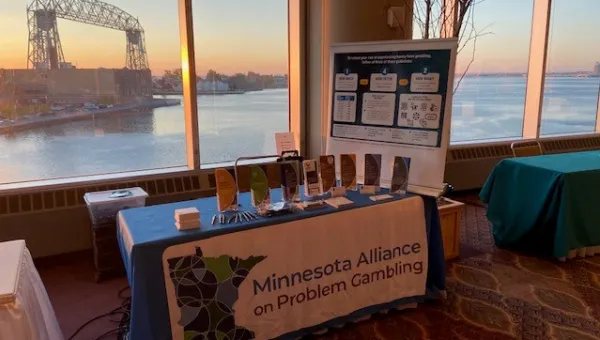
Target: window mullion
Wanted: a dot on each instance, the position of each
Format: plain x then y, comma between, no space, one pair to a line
538,53
188,73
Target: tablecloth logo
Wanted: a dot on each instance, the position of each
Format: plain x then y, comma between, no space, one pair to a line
206,289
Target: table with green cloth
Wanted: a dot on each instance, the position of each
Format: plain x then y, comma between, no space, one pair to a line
548,205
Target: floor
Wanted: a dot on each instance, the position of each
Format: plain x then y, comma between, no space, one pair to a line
492,294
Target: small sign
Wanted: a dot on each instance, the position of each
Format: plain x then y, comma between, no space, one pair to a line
285,141
338,191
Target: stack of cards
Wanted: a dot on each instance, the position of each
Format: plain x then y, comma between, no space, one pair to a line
188,218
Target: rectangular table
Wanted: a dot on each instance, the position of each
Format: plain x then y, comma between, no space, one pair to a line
147,235
25,309
546,204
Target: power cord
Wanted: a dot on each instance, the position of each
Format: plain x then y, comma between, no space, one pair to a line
123,310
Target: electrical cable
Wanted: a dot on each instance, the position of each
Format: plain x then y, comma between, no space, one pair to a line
123,310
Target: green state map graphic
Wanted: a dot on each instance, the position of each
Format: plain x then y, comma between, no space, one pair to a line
206,289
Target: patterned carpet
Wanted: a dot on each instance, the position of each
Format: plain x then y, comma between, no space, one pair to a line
497,294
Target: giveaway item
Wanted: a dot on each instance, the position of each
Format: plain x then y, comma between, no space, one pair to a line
276,209
187,215
400,172
226,190
327,170
259,186
312,185
348,171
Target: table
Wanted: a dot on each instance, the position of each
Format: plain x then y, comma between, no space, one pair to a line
25,309
146,234
546,204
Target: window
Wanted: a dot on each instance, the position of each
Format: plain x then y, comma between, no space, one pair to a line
572,70
242,81
87,99
489,100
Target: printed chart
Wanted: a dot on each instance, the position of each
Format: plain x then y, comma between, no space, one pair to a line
392,97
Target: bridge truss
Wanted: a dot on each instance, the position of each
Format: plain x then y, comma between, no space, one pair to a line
45,49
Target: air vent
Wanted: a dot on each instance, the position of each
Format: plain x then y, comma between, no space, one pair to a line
479,152
69,198
571,144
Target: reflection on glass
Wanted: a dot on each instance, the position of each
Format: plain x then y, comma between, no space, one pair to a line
242,77
572,71
78,98
489,101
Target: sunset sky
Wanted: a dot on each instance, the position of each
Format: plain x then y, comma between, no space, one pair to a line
251,35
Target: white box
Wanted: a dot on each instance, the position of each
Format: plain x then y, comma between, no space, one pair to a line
103,206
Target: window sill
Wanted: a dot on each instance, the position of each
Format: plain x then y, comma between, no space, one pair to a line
104,179
492,141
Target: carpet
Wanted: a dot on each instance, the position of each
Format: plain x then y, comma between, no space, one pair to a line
497,294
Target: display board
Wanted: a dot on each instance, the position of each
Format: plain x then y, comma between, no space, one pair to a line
393,98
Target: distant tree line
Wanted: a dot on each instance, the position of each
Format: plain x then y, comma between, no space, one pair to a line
237,81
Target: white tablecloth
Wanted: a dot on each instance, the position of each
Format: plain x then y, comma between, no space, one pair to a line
25,311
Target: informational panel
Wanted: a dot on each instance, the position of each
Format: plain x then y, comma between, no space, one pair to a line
267,282
393,98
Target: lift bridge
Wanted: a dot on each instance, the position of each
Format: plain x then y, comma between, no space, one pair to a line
45,49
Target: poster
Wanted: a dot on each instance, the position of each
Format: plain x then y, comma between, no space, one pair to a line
393,98
266,282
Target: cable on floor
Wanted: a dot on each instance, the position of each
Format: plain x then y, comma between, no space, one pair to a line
122,310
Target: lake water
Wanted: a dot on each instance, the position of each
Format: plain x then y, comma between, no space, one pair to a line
239,125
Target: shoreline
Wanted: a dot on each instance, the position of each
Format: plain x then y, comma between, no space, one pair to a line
205,93
64,117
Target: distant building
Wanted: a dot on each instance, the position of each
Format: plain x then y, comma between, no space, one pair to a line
597,69
281,81
212,86
71,85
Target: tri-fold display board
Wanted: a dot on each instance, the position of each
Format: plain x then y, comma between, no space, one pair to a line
393,98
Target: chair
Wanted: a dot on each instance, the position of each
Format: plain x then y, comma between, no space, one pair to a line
526,149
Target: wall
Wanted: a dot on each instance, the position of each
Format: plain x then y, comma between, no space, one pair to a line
63,230
340,21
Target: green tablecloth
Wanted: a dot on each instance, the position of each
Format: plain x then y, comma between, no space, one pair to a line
546,204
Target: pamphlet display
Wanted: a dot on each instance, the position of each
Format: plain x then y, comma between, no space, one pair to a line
259,186
226,190
372,169
290,185
348,171
327,167
393,98
400,171
312,185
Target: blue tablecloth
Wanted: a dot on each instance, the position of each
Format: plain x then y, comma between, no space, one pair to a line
151,231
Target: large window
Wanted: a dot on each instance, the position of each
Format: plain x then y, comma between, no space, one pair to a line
80,96
572,72
491,71
242,77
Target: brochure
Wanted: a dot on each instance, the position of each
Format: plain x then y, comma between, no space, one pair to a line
348,171
290,181
226,190
259,186
400,172
312,185
327,167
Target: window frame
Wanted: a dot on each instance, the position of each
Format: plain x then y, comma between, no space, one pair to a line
297,26
536,72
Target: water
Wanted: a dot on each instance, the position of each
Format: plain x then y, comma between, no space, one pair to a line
242,125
